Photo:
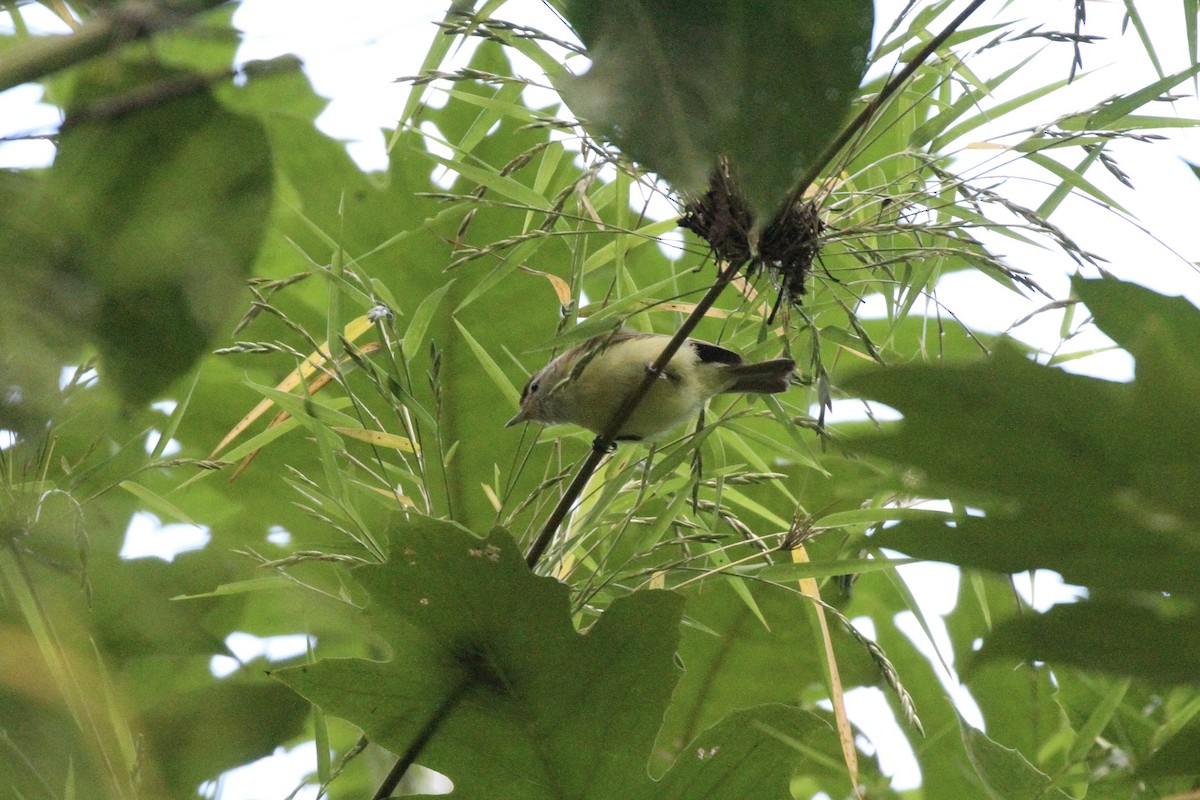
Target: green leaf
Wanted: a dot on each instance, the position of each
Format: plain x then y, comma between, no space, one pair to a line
1134,16
1160,332
1098,720
552,710
1125,311
518,704
941,754
1072,178
1115,636
733,660
197,735
780,573
745,755
134,614
1005,772
1061,486
156,502
491,368
1062,191
1180,755
414,334
306,409
147,222
993,114
983,602
969,101
1113,113
766,83
439,48
39,325
1191,14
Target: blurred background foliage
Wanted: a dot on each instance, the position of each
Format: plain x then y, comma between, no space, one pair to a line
198,240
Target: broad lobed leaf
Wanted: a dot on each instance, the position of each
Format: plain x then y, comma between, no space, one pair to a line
484,658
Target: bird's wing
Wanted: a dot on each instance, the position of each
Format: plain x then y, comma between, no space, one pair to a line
707,352
712,354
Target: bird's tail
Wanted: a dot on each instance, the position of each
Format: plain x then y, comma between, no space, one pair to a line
765,377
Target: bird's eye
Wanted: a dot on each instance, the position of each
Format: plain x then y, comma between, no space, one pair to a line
533,387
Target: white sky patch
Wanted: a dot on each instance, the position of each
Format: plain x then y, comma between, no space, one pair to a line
288,768
353,54
278,535
1045,588
67,375
882,736
23,114
147,537
652,203
21,111
671,244
40,20
154,436
442,176
937,582
961,291
935,588
247,647
868,709
172,446
281,771
169,449
963,701
856,410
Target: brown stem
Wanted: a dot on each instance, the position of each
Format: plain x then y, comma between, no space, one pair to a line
868,111
605,440
409,757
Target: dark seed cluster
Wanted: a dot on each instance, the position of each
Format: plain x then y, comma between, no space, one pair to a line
786,248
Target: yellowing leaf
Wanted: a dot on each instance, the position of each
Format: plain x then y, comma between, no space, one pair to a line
315,361
380,438
836,695
399,498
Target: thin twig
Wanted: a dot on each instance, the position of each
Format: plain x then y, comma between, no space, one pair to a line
392,780
860,122
604,442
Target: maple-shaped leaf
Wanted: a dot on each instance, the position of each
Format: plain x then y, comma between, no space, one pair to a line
511,701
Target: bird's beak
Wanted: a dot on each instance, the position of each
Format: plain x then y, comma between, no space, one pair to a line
520,417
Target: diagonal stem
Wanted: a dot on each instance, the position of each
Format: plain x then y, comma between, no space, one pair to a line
871,108
409,757
605,441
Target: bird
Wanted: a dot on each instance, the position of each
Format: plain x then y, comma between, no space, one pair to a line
588,383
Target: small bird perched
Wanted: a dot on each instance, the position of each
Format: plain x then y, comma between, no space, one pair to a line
588,383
